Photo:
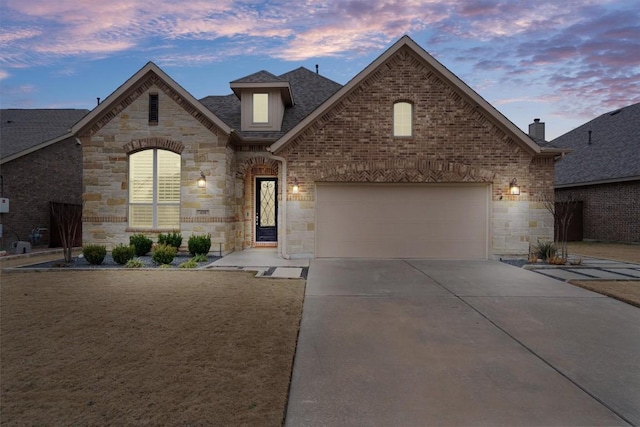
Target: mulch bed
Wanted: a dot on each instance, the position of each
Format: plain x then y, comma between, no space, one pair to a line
82,263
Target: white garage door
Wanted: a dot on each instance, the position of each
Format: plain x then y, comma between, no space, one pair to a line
440,221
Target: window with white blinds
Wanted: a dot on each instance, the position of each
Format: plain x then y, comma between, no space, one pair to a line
154,189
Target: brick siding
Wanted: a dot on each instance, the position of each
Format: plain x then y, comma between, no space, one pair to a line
611,212
453,141
51,174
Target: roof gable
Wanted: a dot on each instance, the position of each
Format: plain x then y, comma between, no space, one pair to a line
406,42
605,149
103,112
23,131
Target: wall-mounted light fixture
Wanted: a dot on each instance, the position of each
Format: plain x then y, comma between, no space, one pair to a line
202,181
514,188
296,186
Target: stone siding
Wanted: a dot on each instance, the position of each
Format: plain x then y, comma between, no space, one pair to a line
125,129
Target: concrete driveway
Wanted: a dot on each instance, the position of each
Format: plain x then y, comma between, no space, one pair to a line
416,342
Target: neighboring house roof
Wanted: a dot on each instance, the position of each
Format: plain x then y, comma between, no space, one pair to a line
512,130
150,67
613,154
23,131
309,90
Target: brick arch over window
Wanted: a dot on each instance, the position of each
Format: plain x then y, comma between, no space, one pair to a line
423,170
249,164
146,143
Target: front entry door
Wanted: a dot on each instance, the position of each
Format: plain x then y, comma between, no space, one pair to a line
266,209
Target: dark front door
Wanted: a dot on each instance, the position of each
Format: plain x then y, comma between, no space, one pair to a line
266,209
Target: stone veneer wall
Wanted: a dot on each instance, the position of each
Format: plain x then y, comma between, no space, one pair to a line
611,212
452,142
254,162
181,128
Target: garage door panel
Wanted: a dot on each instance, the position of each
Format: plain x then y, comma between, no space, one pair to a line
402,221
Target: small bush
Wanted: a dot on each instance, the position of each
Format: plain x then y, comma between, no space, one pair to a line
546,250
134,263
94,254
170,239
200,258
164,254
189,264
199,245
556,260
122,254
141,243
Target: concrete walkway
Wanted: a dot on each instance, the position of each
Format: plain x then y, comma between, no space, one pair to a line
590,269
265,261
415,343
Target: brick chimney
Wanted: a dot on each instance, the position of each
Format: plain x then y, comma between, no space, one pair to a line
536,130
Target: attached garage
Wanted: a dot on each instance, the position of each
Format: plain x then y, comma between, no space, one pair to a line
439,221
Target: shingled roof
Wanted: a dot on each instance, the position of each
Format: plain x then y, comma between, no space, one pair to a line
259,77
309,90
24,129
605,149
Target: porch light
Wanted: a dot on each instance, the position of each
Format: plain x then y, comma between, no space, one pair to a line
202,181
514,188
296,187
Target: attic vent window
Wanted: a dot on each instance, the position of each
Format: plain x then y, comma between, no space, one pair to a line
153,108
260,108
402,118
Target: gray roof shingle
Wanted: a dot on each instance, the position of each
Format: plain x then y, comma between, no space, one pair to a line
613,154
21,129
259,77
309,91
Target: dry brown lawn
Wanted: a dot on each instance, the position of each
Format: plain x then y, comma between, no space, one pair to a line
153,347
627,291
614,251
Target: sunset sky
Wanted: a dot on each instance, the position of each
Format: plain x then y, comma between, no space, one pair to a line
565,62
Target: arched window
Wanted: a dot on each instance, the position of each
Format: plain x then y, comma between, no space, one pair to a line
402,119
154,189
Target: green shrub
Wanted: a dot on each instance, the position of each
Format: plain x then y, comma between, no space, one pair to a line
122,254
199,245
164,254
134,263
141,243
545,250
200,258
94,253
170,239
189,264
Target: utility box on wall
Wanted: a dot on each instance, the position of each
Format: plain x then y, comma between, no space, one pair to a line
4,205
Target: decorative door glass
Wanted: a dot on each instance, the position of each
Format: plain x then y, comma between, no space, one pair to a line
267,204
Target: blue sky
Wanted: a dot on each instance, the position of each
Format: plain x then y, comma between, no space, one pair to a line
564,61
